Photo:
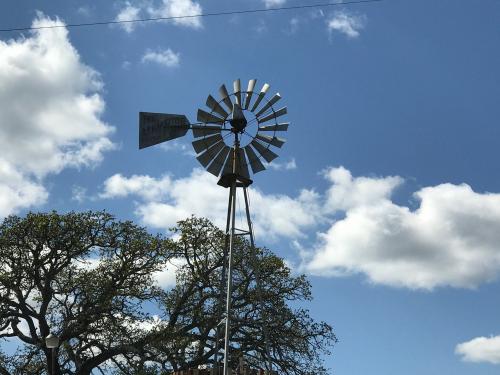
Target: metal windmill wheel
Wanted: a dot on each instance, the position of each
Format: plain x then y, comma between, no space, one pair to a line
253,125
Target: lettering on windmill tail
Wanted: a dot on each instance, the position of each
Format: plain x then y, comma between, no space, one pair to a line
154,128
155,125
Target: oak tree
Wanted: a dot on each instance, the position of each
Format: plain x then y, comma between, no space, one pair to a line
90,279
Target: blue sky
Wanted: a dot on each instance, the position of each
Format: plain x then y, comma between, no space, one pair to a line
386,192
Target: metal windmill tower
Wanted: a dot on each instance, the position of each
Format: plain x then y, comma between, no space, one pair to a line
230,140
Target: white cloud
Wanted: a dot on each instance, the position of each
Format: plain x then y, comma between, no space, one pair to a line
274,3
50,111
346,23
78,193
261,27
316,13
178,8
166,278
126,65
347,192
160,9
146,187
285,166
176,146
284,216
147,325
87,264
128,13
167,58
450,240
293,25
480,349
273,215
84,10
17,191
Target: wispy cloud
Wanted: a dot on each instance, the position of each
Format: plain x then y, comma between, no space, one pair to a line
346,23
78,193
160,9
273,3
166,58
285,166
293,25
176,8
177,146
128,13
261,27
316,13
126,65
84,10
480,349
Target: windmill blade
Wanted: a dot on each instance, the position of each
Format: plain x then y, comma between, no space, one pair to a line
216,107
202,131
218,162
210,154
273,115
251,86
208,118
269,104
276,128
201,145
241,164
261,96
267,154
253,160
277,142
237,91
156,128
228,165
225,97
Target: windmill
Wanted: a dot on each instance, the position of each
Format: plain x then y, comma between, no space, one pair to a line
232,138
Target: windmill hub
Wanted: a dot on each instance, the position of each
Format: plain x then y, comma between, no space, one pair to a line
237,119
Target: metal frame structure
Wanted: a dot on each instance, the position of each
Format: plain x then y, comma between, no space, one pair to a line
231,163
235,181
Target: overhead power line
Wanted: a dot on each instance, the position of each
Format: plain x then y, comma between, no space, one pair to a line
201,15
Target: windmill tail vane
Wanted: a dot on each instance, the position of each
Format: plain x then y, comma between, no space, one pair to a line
233,139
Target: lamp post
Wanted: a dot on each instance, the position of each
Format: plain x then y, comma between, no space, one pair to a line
52,342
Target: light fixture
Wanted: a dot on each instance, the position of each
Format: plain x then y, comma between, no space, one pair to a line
52,341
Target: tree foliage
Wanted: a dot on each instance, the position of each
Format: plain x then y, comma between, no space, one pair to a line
90,279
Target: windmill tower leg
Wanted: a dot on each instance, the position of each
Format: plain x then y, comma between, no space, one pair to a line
223,282
228,254
231,219
229,291
256,268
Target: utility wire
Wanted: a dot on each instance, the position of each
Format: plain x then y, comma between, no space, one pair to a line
234,12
